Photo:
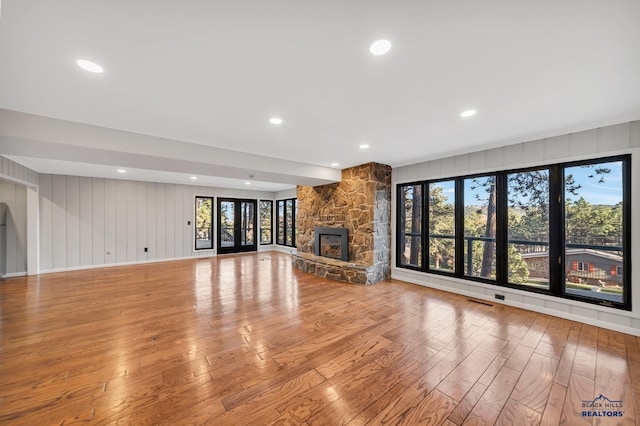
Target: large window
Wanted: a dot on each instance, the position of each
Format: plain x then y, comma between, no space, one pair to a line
266,213
286,222
204,223
561,229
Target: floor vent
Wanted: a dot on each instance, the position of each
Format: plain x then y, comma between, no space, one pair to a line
479,302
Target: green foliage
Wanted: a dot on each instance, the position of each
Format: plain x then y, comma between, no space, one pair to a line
593,224
518,271
441,222
204,215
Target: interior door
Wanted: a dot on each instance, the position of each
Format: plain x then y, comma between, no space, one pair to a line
237,225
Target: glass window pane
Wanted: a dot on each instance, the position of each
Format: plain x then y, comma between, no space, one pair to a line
289,223
204,223
593,231
280,222
528,228
442,220
480,227
411,225
266,213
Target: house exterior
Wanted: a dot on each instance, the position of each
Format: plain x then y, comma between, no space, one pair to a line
588,266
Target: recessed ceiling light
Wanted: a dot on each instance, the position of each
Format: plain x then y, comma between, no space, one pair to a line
122,171
380,47
89,66
468,113
194,178
334,164
275,120
364,146
247,183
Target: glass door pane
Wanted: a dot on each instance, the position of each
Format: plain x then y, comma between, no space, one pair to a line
247,229
227,223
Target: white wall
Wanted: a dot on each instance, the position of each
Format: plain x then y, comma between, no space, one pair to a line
15,196
286,194
596,143
88,222
17,172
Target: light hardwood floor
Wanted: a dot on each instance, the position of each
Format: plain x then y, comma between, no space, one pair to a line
245,339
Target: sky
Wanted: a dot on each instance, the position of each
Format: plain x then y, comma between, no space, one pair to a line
608,192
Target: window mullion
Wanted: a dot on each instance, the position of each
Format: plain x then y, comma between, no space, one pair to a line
459,228
425,226
502,237
556,229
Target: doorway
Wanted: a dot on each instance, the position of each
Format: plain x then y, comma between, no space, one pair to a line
236,225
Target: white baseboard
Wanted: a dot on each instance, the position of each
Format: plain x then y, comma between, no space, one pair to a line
284,249
196,255
111,265
14,274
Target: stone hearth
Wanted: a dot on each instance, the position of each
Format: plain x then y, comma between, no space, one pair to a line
360,202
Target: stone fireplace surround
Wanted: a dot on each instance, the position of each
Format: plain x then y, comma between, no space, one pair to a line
361,203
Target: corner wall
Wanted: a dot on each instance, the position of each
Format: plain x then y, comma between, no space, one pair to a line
15,197
602,142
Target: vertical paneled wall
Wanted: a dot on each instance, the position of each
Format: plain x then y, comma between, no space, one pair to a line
15,197
92,221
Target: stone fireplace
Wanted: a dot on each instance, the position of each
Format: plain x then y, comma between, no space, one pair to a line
360,204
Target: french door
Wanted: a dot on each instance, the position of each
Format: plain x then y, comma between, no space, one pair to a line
237,230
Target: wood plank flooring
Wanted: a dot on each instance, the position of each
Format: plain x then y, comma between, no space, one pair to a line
246,339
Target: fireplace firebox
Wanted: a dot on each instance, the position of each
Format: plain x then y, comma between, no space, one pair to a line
332,242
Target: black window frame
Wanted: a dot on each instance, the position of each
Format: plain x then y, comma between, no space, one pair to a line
400,235
285,227
270,202
556,230
195,223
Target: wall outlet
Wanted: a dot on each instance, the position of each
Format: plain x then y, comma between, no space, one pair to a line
499,296
146,249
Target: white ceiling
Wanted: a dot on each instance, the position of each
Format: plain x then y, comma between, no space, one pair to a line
211,73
